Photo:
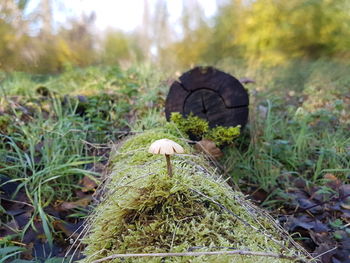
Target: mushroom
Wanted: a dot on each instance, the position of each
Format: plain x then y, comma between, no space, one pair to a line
166,147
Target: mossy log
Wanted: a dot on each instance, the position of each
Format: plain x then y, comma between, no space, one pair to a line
143,210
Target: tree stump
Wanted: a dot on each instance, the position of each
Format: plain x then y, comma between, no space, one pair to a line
210,94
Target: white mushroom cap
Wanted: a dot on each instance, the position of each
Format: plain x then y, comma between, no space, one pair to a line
165,146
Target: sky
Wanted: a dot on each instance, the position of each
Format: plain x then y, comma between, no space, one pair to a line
119,14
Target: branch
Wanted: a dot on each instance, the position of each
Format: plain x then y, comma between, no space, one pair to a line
194,254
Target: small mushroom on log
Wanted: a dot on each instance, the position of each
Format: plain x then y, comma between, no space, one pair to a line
166,147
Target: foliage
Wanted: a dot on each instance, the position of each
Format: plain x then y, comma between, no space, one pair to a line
119,47
52,51
269,31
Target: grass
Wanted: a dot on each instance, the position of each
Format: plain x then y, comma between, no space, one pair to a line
298,145
299,128
47,143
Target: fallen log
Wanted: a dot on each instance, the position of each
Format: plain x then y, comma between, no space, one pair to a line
193,216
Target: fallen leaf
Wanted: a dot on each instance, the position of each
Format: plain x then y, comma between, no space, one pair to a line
69,229
322,238
306,222
259,195
332,181
83,202
208,147
88,184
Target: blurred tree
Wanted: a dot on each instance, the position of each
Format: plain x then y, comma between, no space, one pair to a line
276,30
144,33
268,30
162,33
272,31
13,28
118,47
195,36
192,16
191,50
71,46
296,28
46,17
228,26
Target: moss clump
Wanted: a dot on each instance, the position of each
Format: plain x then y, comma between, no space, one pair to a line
5,121
223,135
199,128
146,211
191,125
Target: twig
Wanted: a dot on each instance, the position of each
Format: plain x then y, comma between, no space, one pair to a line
195,254
326,252
18,202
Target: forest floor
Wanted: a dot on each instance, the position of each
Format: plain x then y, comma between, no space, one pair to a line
56,132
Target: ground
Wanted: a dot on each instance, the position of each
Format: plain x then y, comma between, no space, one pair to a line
56,132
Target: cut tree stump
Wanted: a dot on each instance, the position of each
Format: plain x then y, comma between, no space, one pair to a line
210,94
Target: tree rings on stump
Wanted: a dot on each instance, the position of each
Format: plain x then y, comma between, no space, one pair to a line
210,94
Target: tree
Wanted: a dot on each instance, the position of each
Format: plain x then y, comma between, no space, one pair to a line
13,27
276,30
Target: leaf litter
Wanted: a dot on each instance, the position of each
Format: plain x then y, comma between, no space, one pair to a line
321,217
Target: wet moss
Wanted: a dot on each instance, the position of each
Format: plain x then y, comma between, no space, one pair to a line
146,211
199,128
223,135
191,124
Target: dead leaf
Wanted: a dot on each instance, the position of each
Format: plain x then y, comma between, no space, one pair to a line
305,222
69,229
259,195
208,147
83,202
332,181
88,184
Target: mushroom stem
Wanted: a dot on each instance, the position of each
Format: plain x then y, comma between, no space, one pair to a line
168,164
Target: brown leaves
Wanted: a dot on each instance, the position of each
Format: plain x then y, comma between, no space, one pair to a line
88,184
69,229
321,215
83,202
208,147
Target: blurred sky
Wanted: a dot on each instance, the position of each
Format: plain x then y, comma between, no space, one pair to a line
122,14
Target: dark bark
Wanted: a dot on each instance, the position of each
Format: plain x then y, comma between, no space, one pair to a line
209,94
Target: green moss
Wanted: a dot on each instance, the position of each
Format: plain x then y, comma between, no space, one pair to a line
223,135
190,125
146,211
5,121
200,129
